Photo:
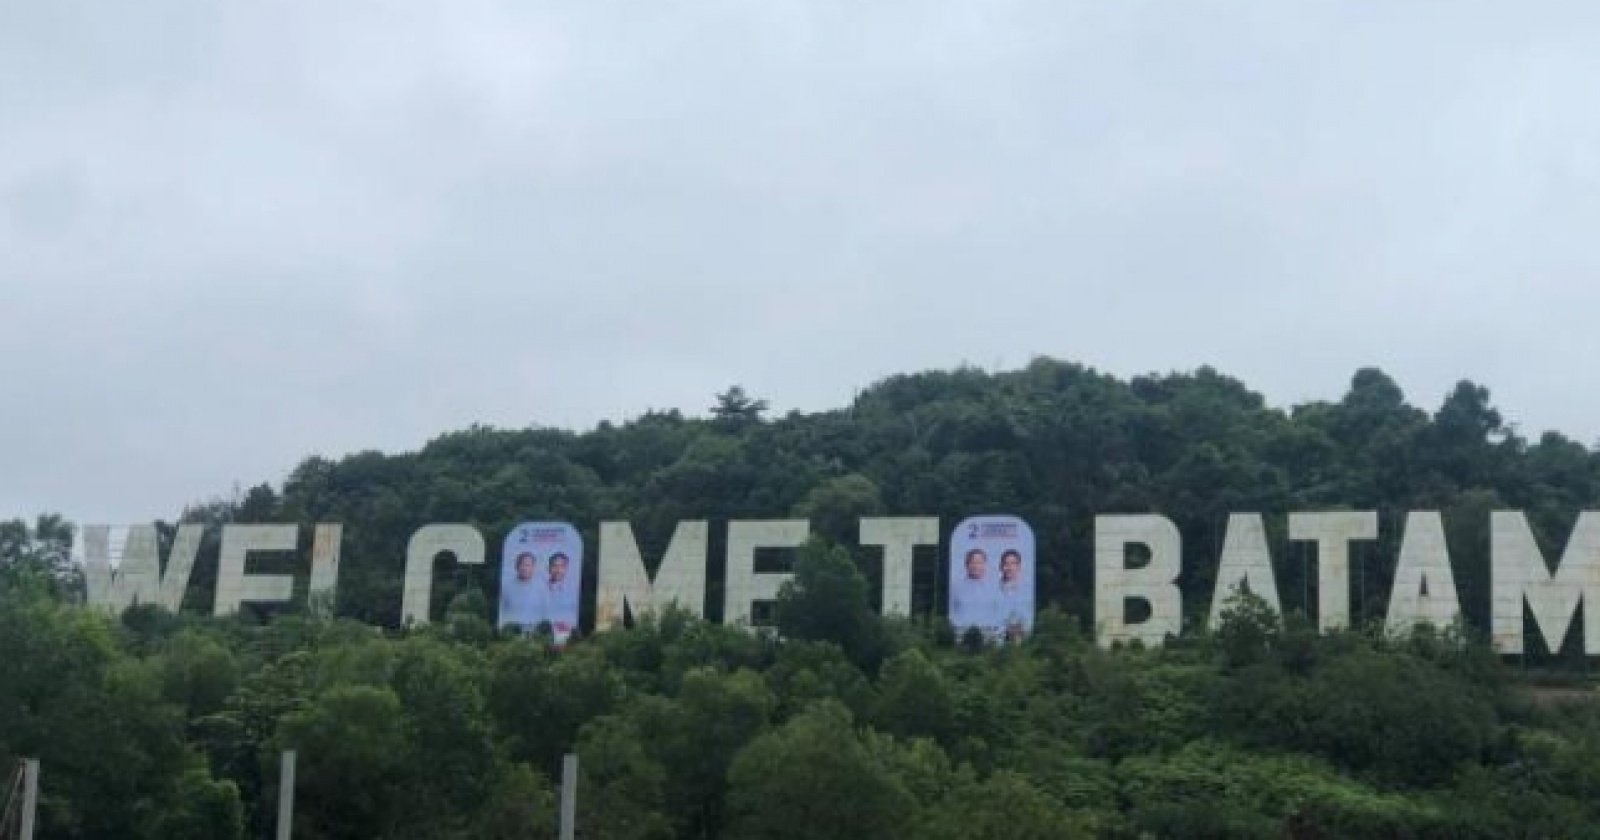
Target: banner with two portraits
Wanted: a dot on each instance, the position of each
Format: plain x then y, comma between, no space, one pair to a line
992,577
541,577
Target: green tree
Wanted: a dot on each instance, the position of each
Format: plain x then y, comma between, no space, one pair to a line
734,409
827,601
835,506
41,552
622,794
1249,630
813,779
1005,806
915,699
697,733
539,702
204,809
449,759
93,716
520,805
199,673
351,745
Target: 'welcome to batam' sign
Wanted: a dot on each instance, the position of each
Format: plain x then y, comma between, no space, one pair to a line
1424,587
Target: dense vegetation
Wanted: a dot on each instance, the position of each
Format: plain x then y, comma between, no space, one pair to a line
840,723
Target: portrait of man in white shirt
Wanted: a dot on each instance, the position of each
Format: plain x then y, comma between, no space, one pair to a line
561,596
972,595
522,598
1015,600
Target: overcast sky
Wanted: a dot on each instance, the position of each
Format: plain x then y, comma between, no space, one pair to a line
233,235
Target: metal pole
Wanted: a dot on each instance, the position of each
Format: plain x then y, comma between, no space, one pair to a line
286,795
569,796
30,796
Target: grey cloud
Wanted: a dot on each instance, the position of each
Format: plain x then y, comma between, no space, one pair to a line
233,235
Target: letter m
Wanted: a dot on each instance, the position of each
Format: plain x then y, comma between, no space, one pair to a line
1521,575
626,584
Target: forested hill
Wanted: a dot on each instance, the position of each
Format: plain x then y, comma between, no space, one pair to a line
1054,442
842,723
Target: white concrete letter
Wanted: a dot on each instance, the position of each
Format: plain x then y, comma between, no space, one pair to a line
1154,583
1333,532
743,586
1521,574
138,579
899,537
1246,565
1424,585
234,587
326,540
624,582
425,546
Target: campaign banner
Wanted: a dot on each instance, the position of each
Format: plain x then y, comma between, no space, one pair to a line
992,577
541,576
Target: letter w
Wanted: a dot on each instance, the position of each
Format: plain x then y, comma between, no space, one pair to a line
138,579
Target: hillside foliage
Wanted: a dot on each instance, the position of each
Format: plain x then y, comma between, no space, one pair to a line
837,722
